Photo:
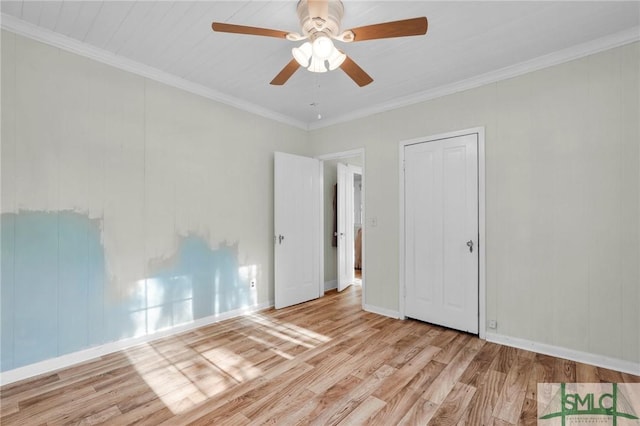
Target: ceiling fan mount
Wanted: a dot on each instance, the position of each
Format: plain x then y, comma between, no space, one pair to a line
320,16
320,22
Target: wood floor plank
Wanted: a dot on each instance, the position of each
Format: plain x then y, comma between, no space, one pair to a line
363,412
564,371
374,361
396,407
423,378
442,385
420,413
349,401
322,362
587,373
394,383
485,399
237,401
101,416
505,359
609,376
35,382
541,372
529,414
321,405
454,405
514,391
480,364
452,348
308,379
277,410
630,378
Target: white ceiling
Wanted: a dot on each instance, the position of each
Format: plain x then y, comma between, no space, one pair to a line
468,43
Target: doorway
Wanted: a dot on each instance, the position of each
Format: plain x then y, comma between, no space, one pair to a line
347,223
442,230
343,211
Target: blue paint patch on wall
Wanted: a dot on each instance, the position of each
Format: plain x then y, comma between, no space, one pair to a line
195,283
55,295
47,289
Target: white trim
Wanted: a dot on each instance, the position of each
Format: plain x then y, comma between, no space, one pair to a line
68,360
382,311
566,353
482,238
322,286
343,154
482,287
330,285
556,58
20,27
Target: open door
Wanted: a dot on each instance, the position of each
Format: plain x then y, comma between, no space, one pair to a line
346,238
296,228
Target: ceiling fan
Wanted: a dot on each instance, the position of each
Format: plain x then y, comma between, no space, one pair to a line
320,24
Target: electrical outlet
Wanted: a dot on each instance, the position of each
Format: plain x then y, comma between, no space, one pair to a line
493,324
252,284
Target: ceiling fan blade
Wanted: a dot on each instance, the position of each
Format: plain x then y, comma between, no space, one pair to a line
403,28
286,73
242,29
356,73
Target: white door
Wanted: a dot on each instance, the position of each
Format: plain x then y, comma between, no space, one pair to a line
297,229
346,274
441,232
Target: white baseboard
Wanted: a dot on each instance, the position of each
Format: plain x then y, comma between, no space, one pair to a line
381,311
570,354
330,285
68,360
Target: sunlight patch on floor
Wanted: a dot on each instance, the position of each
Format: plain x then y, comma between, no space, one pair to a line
289,330
270,348
187,374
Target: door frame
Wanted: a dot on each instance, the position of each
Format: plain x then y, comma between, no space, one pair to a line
482,302
346,247
337,156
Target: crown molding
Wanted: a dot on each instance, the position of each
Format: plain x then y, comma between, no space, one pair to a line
34,32
20,27
556,58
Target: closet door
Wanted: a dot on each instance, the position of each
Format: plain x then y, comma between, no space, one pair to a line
441,232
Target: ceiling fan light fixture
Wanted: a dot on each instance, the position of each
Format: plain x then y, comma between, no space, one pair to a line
336,59
322,47
317,65
303,54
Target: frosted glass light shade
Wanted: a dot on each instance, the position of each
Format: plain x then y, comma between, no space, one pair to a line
322,47
317,65
336,59
302,54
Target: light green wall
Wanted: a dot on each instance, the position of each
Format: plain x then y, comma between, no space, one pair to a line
178,188
562,198
154,163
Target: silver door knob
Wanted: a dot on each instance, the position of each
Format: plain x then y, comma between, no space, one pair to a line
470,245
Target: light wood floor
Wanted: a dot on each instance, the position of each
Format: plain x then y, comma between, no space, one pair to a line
323,362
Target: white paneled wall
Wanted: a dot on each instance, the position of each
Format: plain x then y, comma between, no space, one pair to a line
562,202
127,206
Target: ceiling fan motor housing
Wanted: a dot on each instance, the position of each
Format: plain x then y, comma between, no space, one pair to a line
327,19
